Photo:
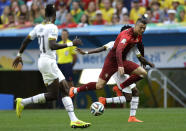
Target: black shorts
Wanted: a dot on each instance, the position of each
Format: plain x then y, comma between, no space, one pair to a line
67,71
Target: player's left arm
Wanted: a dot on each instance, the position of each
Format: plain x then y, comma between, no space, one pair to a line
145,62
142,59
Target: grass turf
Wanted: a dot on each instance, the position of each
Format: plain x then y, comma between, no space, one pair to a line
173,119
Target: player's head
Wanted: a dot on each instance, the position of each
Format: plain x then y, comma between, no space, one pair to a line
140,26
64,34
125,27
50,12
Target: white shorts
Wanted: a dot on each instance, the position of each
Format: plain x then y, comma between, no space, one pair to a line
120,79
49,70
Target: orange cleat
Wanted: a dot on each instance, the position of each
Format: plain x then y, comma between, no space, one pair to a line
71,92
133,119
117,90
102,100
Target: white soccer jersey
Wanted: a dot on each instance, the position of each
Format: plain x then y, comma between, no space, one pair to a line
47,61
134,50
44,32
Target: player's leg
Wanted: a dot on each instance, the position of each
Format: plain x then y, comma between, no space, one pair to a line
51,81
134,105
108,70
52,94
136,73
68,104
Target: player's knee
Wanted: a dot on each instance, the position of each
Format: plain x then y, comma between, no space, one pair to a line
135,92
143,73
53,95
99,86
128,97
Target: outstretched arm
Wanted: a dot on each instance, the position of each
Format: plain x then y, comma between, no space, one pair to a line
96,50
107,46
55,46
145,62
18,59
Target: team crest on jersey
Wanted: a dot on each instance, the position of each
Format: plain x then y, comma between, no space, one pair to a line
106,75
123,41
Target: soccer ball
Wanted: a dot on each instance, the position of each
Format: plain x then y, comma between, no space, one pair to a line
97,108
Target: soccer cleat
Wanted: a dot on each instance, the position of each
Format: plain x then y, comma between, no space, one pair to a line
71,92
133,119
79,124
19,107
117,90
102,100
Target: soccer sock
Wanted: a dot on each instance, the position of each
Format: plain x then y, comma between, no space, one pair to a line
134,105
132,79
40,98
67,102
119,99
86,87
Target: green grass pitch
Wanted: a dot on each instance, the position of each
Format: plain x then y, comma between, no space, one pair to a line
173,119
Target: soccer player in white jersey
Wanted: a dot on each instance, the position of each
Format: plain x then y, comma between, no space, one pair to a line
54,80
130,93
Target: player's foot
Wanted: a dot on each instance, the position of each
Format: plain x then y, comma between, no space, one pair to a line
19,107
79,124
133,119
71,92
117,90
102,100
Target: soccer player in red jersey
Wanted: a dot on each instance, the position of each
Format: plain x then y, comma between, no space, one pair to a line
116,60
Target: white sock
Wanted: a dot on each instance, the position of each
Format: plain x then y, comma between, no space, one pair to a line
119,99
67,102
134,105
75,91
34,99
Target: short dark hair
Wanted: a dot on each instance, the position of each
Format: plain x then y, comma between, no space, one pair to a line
125,27
50,10
65,30
142,20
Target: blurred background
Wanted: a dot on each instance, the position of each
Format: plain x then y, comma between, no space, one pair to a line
96,22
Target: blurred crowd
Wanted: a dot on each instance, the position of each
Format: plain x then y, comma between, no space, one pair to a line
80,13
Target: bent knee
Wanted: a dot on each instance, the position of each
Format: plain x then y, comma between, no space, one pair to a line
142,72
128,97
99,86
135,92
53,95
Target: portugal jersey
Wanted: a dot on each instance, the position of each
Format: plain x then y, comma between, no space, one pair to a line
45,32
133,50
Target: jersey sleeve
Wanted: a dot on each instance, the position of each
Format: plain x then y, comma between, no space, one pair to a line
109,45
121,46
33,34
53,33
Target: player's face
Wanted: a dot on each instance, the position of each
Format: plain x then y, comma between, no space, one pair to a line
140,28
64,35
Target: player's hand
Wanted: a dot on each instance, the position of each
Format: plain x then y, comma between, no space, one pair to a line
77,42
17,60
151,65
121,70
80,51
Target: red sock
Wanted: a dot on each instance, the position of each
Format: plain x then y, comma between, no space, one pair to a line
132,79
87,87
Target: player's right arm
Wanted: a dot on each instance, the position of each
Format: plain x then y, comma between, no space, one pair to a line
120,47
97,50
24,44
